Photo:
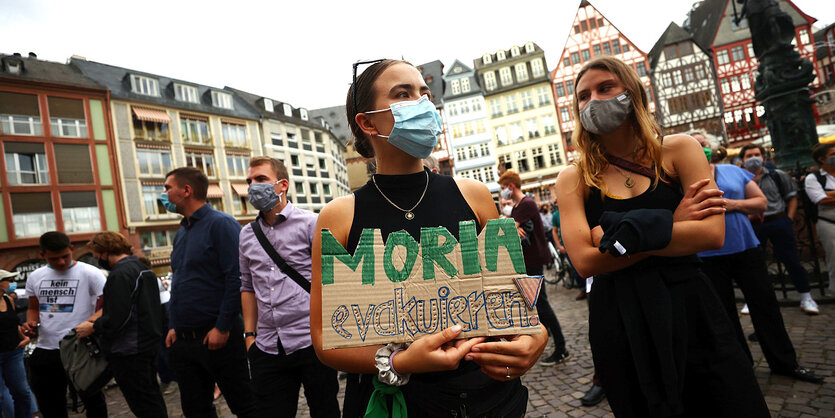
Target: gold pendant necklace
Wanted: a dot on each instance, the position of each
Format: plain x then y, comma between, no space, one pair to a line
409,214
629,182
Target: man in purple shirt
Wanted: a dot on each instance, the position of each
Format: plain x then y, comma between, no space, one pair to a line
276,309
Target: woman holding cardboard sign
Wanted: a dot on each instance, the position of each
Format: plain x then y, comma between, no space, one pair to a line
393,119
661,343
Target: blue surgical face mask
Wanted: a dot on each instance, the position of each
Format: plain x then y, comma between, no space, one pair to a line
12,287
263,196
169,205
416,126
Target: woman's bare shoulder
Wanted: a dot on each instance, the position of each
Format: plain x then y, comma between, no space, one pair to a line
339,210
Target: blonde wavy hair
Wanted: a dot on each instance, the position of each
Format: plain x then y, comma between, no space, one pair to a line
592,161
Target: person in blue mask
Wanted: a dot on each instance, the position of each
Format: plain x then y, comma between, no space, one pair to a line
634,211
393,120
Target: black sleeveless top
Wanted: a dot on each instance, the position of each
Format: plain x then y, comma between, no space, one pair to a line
9,338
427,394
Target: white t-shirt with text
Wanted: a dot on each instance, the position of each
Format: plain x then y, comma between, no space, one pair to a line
65,298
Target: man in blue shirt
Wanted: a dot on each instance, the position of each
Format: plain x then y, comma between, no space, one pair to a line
205,333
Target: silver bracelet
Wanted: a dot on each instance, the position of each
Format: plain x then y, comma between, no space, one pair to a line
385,371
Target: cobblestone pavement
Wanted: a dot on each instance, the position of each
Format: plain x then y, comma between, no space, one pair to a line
555,391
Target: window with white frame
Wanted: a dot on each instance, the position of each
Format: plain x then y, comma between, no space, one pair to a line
472,151
295,161
677,77
32,214
554,154
529,47
314,189
527,100
299,189
153,162
453,109
20,114
521,71
722,57
326,189
500,132
500,55
565,116
150,199
506,75
490,80
486,59
221,99
80,211
538,159
465,85
726,86
238,165
157,239
234,134
465,107
548,126
310,163
268,105
537,68
460,154
495,107
560,90
288,110
484,149
26,163
476,104
195,130
456,87
666,79
479,126
510,103
544,95
804,36
735,86
144,85
516,134
323,165
275,139
66,117
522,161
745,81
514,51
303,114
203,161
533,128
185,93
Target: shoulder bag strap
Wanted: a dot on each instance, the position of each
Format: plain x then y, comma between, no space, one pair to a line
636,168
265,243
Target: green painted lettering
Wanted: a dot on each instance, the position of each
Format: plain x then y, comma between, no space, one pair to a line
364,254
436,253
509,239
399,238
469,247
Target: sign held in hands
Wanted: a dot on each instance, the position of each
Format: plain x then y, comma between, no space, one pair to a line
404,290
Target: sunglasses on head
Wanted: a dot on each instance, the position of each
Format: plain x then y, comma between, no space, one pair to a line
353,84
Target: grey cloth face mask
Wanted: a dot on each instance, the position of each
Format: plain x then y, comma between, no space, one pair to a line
604,116
263,196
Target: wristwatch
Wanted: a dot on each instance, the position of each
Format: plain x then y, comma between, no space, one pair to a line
249,334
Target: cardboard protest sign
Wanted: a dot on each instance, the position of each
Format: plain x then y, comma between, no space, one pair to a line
402,290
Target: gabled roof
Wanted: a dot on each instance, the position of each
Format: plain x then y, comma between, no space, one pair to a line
704,21
34,69
673,35
458,67
117,80
433,73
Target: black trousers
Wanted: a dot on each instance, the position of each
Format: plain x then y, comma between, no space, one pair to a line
198,368
748,270
546,313
137,379
276,380
49,384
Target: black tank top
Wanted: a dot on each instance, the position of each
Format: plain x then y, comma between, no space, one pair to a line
9,338
443,205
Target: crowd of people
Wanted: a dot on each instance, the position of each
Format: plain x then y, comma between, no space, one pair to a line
654,235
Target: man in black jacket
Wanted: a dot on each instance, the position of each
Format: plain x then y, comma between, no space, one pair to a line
131,323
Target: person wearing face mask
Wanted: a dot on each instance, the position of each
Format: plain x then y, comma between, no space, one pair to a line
742,260
131,324
275,299
12,341
635,210
776,223
205,331
393,121
535,249
820,188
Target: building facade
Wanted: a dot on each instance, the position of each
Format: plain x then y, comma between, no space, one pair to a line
58,167
592,35
520,107
314,156
160,124
825,93
714,29
469,127
360,169
433,73
685,86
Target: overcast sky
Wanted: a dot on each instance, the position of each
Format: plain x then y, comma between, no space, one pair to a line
301,51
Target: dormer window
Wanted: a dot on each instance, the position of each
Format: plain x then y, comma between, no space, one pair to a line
144,85
221,100
303,113
465,85
529,47
186,93
268,105
500,55
486,59
288,110
13,66
514,52
456,87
